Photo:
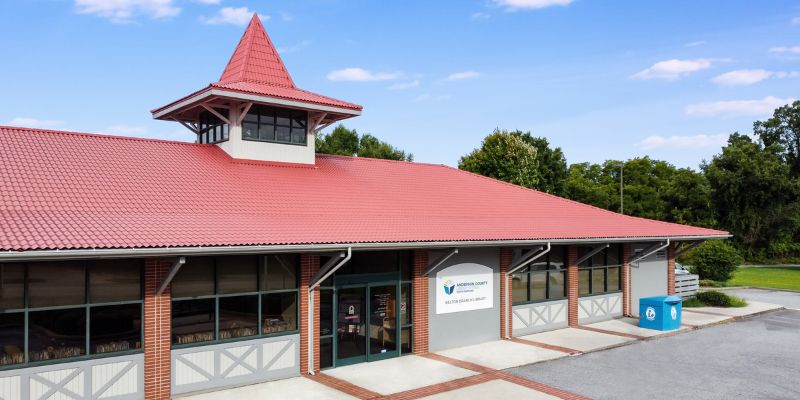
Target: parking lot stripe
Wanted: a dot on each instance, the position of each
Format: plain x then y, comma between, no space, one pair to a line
548,346
610,332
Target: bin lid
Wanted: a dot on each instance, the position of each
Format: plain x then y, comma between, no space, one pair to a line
657,300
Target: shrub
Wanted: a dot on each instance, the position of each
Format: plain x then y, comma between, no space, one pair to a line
718,299
710,283
715,260
692,302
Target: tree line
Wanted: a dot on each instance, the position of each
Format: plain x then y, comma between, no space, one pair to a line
751,188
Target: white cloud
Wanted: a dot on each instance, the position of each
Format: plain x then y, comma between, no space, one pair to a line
793,49
480,16
673,69
234,16
354,74
513,5
211,2
696,43
682,142
294,48
405,85
457,76
744,77
122,11
732,108
125,130
27,122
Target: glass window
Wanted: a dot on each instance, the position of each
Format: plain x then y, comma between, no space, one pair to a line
519,287
538,285
405,304
211,127
195,278
279,312
326,312
115,328
12,287
280,272
583,282
405,340
614,255
326,352
557,284
56,334
237,274
56,284
12,338
598,280
193,321
557,257
115,281
613,278
238,317
271,124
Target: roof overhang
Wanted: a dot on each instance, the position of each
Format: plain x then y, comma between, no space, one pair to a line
210,93
40,255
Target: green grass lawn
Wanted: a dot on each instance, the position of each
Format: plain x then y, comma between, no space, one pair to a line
767,277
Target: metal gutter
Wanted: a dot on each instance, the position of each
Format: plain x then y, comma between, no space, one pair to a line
31,255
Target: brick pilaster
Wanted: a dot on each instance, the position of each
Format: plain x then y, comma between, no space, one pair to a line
157,331
505,293
572,285
627,252
309,265
671,269
420,305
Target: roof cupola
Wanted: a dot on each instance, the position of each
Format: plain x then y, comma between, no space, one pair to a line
255,111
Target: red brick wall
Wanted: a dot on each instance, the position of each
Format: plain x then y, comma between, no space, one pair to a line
157,331
505,293
627,252
309,265
420,305
671,269
572,283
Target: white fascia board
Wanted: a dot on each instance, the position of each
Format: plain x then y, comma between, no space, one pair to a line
32,255
253,98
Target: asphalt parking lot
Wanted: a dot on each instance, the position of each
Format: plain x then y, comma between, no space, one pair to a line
756,358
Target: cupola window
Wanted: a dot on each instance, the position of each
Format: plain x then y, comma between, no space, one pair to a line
212,129
277,125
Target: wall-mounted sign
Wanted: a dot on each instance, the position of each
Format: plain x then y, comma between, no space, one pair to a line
464,287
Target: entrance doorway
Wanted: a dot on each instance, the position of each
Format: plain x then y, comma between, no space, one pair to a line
367,319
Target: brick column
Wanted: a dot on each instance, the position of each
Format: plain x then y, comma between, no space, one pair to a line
505,293
572,283
671,269
309,265
157,331
420,305
627,252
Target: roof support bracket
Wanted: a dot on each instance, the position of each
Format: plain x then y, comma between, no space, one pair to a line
244,112
527,258
439,261
217,114
595,250
191,127
176,266
684,249
647,252
329,268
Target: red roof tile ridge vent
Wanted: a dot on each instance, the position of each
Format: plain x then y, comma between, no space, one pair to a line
97,135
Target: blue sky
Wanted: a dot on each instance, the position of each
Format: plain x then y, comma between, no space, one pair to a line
601,79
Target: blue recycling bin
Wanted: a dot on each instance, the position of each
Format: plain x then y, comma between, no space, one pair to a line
662,313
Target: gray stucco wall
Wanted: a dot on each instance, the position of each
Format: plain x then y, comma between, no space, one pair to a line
466,327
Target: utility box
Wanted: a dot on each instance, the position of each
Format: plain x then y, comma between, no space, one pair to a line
662,313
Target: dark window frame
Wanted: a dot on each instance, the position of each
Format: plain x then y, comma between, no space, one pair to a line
589,266
87,306
260,293
211,129
298,119
546,272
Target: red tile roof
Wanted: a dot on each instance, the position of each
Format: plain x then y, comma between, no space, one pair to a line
65,190
256,68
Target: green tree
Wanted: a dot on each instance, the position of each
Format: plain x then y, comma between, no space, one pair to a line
347,142
552,164
783,131
688,199
752,192
506,157
589,184
715,259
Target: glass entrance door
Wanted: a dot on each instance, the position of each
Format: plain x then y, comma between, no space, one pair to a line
366,322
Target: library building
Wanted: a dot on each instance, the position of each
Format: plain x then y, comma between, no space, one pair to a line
140,268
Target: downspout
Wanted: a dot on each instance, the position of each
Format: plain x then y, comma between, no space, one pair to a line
313,285
510,308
